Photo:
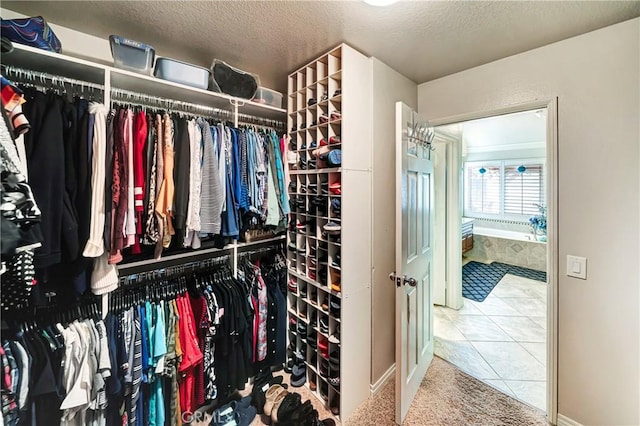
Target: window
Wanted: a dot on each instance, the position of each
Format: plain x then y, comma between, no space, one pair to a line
508,189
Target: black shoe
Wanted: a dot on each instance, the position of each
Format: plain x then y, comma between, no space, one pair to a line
288,366
312,101
336,260
289,405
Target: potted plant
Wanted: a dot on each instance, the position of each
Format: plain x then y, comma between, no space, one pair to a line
539,223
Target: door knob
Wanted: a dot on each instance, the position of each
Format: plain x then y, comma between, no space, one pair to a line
411,281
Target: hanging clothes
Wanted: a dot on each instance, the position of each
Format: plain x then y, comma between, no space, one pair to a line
135,184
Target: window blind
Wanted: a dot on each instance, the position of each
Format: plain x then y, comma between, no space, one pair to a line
523,191
484,189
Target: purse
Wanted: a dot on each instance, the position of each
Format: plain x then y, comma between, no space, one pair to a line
34,32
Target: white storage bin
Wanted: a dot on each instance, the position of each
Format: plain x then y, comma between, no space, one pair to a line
182,72
269,97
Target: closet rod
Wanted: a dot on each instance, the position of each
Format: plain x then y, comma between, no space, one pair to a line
34,77
144,100
173,271
193,256
172,260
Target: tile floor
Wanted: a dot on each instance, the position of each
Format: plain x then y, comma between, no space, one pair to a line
502,340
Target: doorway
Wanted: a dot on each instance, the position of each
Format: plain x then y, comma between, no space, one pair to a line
493,289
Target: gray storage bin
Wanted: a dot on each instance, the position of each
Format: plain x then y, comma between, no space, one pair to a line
132,55
181,72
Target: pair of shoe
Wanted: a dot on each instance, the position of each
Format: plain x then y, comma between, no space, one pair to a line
335,337
263,379
274,397
334,306
336,260
335,188
323,368
325,304
293,286
335,280
335,405
297,203
319,204
322,276
332,227
336,207
293,412
324,188
302,328
298,375
239,412
324,325
323,346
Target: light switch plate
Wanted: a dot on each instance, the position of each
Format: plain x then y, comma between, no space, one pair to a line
577,267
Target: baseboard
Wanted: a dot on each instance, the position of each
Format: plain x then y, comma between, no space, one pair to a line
566,421
377,386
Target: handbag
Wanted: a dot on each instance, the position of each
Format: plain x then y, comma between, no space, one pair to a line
34,32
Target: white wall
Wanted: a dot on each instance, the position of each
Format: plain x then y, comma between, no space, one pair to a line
388,87
596,79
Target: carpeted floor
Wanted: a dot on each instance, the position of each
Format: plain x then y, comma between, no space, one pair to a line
448,396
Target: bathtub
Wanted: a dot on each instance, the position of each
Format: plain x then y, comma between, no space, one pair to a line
512,247
506,234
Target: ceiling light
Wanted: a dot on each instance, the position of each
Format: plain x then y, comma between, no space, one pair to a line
380,3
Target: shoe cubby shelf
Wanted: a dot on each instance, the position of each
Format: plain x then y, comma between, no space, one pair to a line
329,234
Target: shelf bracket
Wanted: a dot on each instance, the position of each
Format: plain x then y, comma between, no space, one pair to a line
236,104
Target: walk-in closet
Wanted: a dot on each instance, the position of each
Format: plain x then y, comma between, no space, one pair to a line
178,254
236,213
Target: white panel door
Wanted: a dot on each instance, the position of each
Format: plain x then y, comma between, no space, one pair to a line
414,252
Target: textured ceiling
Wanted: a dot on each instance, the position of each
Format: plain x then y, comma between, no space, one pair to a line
421,39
